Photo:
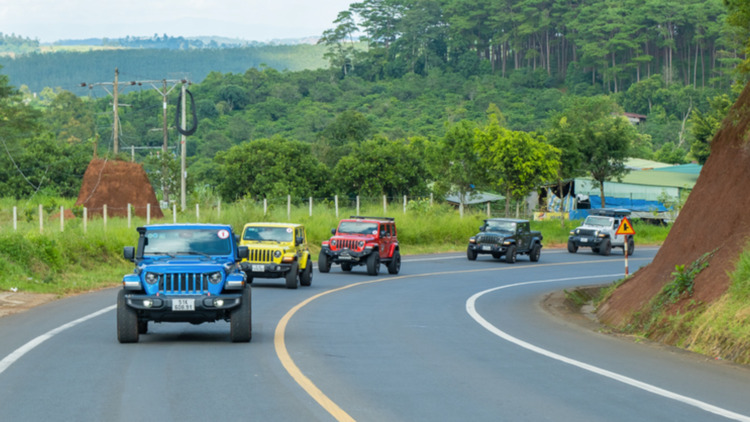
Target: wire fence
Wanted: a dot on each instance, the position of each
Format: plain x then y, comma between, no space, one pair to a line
46,218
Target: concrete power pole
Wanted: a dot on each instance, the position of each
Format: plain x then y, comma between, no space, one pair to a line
184,152
117,118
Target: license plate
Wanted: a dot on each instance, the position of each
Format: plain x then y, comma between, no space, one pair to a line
183,304
584,240
345,257
486,248
258,268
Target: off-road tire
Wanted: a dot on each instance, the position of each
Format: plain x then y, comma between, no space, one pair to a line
572,247
471,254
536,252
324,263
291,276
248,277
373,263
605,248
631,246
395,265
305,277
240,324
127,321
142,327
510,254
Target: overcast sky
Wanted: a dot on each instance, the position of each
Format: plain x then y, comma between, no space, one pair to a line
252,20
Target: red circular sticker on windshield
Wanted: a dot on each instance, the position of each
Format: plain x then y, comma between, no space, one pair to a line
223,234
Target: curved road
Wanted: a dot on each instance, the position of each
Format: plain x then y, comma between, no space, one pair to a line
447,339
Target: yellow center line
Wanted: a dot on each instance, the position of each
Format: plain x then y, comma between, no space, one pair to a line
303,381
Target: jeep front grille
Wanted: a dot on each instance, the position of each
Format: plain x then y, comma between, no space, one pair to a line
261,255
346,244
183,283
489,239
586,232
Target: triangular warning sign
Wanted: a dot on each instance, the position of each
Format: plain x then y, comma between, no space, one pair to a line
625,227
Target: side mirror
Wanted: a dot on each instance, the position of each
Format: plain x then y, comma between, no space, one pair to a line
243,252
300,240
129,253
481,228
333,231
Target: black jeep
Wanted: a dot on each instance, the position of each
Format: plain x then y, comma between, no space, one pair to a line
505,237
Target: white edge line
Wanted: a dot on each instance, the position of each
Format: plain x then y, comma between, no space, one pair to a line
471,309
26,348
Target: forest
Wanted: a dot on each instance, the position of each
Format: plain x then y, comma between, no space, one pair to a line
431,96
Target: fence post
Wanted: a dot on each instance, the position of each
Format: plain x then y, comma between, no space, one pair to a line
174,213
129,215
265,206
336,202
104,214
41,219
358,205
289,207
62,219
85,216
148,214
385,206
15,219
197,213
461,209
311,206
404,204
488,209
431,198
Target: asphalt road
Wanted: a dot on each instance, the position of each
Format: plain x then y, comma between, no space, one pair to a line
445,340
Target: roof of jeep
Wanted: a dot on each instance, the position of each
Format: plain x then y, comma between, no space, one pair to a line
512,220
372,219
188,226
269,224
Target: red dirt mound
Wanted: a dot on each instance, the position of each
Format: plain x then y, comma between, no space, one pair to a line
714,218
117,184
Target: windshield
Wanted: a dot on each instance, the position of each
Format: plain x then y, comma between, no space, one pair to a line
358,227
495,226
187,242
275,234
598,221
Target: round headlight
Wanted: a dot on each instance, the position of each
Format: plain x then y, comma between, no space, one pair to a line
276,254
215,277
218,303
147,303
152,278
361,244
333,242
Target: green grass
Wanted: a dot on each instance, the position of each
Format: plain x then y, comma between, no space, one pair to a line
51,260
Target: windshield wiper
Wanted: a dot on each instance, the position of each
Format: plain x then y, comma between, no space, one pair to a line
160,253
194,253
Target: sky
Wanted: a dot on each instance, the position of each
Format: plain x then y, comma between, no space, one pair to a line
251,20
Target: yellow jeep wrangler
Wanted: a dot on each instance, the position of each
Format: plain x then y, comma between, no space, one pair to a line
277,250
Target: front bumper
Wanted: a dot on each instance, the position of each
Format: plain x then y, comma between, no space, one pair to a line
347,255
265,270
588,241
485,248
183,308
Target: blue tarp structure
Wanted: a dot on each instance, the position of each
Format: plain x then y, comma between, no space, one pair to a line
635,205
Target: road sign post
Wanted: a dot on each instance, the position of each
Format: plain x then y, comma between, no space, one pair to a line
625,229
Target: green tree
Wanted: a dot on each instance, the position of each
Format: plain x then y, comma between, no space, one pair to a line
704,126
270,168
382,167
515,162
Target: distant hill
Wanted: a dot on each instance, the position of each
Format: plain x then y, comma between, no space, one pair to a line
67,69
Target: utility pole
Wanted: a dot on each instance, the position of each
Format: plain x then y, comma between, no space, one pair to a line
117,117
184,152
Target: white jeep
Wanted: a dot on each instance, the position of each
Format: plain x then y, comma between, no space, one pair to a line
599,232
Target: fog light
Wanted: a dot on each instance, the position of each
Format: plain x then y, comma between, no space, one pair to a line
218,303
147,303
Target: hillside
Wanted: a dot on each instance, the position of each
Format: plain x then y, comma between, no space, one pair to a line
714,220
67,69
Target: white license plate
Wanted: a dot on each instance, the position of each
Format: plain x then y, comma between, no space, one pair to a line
487,248
258,268
183,304
584,240
345,257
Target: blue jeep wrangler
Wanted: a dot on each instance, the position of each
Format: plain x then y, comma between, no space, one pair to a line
184,273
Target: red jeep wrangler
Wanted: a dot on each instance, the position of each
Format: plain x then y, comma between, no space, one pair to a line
359,240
